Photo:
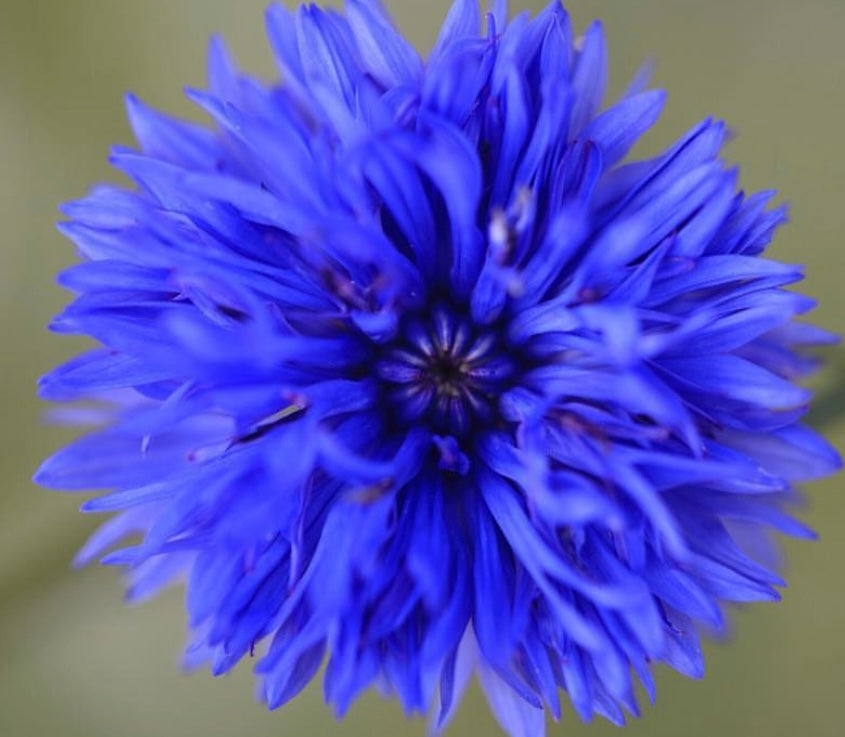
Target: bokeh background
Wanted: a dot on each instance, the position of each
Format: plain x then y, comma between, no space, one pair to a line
75,661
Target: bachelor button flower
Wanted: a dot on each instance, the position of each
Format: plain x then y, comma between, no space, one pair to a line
403,369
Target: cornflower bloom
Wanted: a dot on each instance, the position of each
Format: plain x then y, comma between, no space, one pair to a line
405,370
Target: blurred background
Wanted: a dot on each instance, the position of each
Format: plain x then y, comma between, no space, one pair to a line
74,661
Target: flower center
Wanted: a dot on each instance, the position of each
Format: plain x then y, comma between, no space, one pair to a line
446,373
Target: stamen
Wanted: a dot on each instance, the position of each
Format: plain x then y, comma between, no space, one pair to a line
445,373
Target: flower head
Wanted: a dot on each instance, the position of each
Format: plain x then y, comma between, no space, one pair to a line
404,368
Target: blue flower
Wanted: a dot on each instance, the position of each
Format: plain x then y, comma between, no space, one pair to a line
405,369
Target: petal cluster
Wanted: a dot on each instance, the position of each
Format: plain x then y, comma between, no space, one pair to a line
407,370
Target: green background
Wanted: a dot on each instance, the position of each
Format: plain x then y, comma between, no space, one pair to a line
75,661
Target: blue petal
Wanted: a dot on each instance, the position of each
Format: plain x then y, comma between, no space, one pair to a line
222,74
463,21
384,52
795,453
618,129
325,52
716,271
99,371
683,650
734,378
281,31
282,686
455,79
451,163
515,715
589,79
186,144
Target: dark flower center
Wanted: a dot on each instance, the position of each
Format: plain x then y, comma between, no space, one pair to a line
445,372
